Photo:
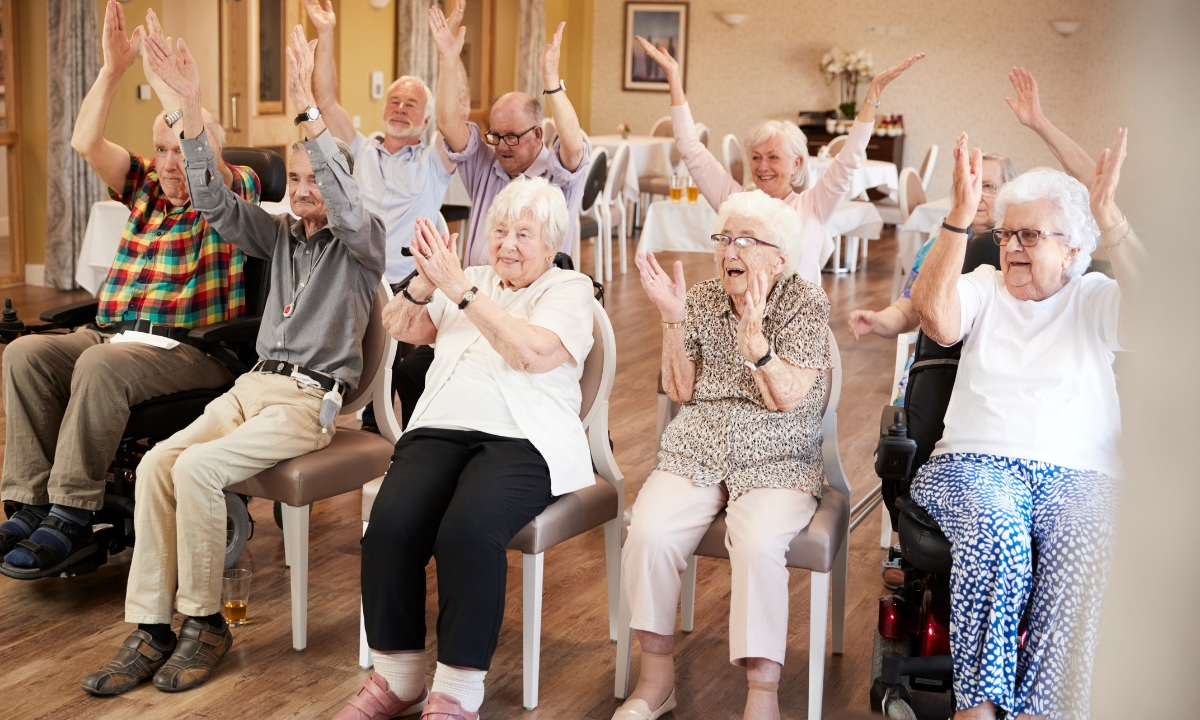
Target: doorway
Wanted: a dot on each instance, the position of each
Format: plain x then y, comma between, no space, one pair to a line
12,247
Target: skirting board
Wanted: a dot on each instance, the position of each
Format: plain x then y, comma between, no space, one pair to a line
35,274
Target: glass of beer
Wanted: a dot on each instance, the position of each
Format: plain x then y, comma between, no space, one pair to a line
676,188
235,594
693,192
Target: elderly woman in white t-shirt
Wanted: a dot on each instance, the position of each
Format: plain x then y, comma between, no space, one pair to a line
494,439
1028,456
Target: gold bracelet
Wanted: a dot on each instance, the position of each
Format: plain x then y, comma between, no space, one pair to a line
672,326
1117,243
1114,227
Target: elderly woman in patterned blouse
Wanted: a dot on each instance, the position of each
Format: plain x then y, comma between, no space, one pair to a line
747,355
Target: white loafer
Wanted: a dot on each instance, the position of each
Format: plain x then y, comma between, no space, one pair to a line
640,710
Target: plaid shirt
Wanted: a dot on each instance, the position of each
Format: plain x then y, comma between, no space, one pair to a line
172,267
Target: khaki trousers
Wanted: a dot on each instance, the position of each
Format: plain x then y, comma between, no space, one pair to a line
670,516
179,517
67,400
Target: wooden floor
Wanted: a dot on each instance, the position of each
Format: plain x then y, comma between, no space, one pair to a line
55,631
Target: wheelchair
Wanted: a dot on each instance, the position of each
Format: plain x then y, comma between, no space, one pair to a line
231,342
911,655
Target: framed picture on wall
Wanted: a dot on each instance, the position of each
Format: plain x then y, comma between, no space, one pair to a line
665,25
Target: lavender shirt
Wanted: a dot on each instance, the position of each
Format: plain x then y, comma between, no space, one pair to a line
484,178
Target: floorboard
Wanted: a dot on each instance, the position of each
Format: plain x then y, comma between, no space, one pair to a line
58,630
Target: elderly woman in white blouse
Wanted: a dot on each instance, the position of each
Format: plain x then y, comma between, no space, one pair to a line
495,438
747,355
1028,456
775,153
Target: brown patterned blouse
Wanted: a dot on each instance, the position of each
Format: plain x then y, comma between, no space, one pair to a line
726,433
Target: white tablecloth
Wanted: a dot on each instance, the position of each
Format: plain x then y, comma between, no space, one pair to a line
648,155
871,174
103,236
915,231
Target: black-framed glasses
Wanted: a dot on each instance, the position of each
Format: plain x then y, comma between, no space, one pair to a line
1025,236
722,241
510,139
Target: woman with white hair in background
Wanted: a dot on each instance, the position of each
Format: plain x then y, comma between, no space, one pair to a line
775,155
747,355
495,438
1029,453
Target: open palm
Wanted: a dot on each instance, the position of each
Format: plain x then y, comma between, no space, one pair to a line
448,33
1027,106
180,72
119,50
668,295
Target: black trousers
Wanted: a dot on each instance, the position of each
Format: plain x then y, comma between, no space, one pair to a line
408,379
459,497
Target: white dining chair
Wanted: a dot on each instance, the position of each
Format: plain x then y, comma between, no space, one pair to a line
731,158
836,145
549,132
614,209
927,164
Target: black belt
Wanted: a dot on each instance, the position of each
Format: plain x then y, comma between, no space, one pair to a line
279,367
143,325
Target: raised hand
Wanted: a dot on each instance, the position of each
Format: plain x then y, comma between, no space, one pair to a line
300,69
179,73
164,91
1027,106
550,57
881,81
448,33
967,184
436,260
669,296
120,51
862,323
324,20
750,340
1104,187
669,64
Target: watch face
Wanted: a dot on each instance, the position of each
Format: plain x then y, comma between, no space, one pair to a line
469,295
313,113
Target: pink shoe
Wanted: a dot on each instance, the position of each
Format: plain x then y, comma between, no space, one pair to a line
375,702
441,706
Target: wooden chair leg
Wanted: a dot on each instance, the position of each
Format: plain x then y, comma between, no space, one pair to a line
532,567
818,610
612,566
841,568
364,652
687,596
624,644
295,522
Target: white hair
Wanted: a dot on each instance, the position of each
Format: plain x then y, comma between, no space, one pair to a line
794,141
342,147
1070,200
778,217
429,97
541,199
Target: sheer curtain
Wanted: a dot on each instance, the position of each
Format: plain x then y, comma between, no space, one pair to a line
531,38
73,64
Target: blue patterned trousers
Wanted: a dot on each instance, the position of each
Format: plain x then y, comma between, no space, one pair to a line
993,510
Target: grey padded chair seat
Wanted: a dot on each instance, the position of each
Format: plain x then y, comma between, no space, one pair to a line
352,458
814,548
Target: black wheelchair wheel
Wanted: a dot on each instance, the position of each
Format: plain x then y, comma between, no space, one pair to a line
237,527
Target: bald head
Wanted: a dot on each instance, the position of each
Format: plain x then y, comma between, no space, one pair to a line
518,106
516,113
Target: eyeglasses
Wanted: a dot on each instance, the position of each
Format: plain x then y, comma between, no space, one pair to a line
722,241
1027,238
990,190
509,139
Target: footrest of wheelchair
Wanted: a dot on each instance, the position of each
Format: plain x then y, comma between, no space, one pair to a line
89,564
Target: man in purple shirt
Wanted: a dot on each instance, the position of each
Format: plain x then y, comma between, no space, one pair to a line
513,146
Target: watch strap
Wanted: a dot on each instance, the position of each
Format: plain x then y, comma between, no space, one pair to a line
173,118
411,299
562,85
468,297
951,228
764,359
304,117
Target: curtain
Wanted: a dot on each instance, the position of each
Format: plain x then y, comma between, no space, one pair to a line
415,52
73,63
531,39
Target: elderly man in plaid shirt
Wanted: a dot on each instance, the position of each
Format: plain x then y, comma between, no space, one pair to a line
67,397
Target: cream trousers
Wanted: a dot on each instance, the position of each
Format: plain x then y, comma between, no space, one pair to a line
670,516
179,516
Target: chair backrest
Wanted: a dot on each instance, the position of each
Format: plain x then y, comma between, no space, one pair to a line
614,183
549,132
662,127
378,351
599,368
835,474
731,156
912,193
836,145
702,133
266,164
927,166
593,187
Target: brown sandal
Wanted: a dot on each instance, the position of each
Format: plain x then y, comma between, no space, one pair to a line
138,659
201,645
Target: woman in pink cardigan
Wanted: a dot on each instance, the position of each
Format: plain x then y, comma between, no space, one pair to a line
775,153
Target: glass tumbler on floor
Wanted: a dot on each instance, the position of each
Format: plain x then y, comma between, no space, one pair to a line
235,595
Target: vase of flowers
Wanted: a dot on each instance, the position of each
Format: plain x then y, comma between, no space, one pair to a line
848,70
623,128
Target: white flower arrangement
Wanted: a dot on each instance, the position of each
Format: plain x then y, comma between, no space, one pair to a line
849,69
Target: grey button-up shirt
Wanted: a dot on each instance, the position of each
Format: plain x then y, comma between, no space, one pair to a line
335,272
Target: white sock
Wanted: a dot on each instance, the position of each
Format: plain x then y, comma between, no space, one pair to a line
465,686
404,672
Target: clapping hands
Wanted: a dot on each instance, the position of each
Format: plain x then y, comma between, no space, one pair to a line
300,69
1104,187
750,340
967,183
669,296
179,73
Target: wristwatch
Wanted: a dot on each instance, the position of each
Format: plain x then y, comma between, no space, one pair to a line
309,115
562,85
173,118
468,298
753,367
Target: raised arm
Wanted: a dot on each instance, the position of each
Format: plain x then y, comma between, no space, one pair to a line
1028,109
670,297
570,135
1125,250
109,160
453,103
935,294
782,385
899,317
324,78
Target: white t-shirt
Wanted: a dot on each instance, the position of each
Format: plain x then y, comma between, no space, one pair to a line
470,386
1035,380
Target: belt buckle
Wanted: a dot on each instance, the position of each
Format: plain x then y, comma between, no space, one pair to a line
279,366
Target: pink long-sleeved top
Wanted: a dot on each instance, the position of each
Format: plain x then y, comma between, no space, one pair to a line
815,205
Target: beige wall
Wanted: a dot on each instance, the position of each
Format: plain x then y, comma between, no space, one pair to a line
575,62
767,67
366,43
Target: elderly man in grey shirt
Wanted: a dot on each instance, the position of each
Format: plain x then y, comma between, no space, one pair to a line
325,268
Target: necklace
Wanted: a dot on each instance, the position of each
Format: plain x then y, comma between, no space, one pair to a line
296,290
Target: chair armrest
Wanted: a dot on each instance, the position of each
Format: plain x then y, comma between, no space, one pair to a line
889,418
76,313
243,329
